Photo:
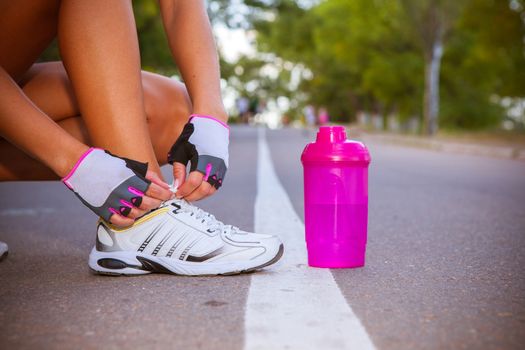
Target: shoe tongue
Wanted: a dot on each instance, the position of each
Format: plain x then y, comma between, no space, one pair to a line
185,204
177,201
182,203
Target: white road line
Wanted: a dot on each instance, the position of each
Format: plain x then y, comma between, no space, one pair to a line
293,306
27,211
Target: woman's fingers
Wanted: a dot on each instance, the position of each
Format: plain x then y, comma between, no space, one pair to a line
121,221
193,181
194,188
157,192
135,213
200,192
155,178
149,203
179,172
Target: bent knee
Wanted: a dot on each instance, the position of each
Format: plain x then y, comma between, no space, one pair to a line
166,100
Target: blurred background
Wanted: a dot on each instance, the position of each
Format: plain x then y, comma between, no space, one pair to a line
424,67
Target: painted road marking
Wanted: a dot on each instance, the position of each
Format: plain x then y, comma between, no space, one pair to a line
27,211
293,306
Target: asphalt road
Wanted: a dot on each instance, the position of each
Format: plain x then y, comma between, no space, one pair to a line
445,260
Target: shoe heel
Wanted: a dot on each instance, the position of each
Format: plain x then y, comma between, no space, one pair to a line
102,263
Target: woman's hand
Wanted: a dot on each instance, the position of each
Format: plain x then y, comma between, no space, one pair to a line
117,189
158,191
193,186
203,142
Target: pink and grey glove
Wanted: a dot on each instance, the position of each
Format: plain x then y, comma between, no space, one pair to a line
108,184
203,142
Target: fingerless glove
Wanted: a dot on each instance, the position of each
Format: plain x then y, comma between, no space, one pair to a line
108,184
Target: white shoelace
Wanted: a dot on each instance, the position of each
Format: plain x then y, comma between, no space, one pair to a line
206,218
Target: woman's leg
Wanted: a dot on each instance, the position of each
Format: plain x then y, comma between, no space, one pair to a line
99,47
16,165
98,40
27,27
167,107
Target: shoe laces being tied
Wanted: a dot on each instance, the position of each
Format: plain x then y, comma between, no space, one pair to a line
211,222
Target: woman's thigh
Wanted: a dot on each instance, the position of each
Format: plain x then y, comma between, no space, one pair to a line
48,87
168,108
26,28
166,101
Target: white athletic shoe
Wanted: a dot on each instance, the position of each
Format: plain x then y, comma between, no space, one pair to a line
3,250
182,239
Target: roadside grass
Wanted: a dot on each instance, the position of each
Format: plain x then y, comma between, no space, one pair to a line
496,137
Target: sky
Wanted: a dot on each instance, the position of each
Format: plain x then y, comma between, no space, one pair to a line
233,42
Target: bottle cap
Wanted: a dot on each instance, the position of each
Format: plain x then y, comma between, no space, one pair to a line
331,145
331,134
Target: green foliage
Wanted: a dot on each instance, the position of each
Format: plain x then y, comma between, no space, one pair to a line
369,55
481,62
155,54
358,52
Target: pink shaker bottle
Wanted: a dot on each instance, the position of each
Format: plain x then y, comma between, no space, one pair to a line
336,199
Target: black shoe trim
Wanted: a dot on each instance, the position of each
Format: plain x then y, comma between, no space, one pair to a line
152,266
150,237
115,264
213,254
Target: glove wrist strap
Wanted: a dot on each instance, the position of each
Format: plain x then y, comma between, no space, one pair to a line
212,118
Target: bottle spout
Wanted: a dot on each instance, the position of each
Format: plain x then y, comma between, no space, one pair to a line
331,134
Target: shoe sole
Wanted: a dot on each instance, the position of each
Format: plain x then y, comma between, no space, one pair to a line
111,266
3,256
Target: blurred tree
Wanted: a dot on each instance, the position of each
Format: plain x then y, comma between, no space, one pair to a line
431,21
483,62
155,54
385,56
358,52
